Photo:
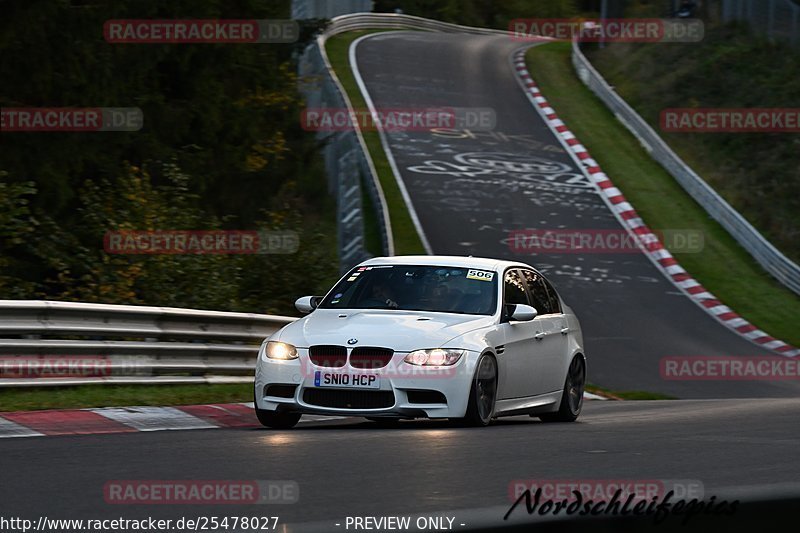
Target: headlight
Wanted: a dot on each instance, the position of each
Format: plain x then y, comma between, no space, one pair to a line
281,350
435,357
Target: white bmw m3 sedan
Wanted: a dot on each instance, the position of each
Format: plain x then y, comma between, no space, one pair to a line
426,337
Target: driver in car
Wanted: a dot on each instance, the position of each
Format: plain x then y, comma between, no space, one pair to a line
381,293
443,298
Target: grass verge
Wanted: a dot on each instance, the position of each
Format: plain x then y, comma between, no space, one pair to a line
731,68
27,399
406,238
627,395
723,266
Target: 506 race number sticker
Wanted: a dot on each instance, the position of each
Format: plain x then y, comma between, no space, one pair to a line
481,275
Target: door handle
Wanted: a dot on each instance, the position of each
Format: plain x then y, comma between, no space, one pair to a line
564,331
539,336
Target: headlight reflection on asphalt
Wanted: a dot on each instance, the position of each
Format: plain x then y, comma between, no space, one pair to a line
436,441
280,439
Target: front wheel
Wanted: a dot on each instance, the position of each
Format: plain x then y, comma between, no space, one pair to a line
276,420
483,393
572,397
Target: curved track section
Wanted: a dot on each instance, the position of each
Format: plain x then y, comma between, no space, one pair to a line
471,189
629,218
349,467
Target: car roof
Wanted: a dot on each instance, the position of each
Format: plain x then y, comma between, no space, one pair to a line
483,263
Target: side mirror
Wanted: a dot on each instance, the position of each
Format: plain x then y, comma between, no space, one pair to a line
523,313
306,304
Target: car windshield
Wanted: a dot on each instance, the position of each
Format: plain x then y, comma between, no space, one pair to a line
416,288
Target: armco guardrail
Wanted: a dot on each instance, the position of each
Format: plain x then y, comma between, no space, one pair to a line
347,164
67,343
122,344
347,159
773,261
770,258
395,21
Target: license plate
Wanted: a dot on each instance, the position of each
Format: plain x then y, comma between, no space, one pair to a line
352,381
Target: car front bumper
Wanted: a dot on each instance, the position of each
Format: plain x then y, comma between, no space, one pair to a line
405,390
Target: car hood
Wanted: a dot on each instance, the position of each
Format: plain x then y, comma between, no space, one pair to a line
403,331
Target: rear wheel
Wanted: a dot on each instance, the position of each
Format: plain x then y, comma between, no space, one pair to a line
572,397
483,393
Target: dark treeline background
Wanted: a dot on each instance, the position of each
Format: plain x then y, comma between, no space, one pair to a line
498,13
221,147
733,67
488,13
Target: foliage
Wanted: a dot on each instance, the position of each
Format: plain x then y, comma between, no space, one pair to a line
758,173
221,148
722,265
485,13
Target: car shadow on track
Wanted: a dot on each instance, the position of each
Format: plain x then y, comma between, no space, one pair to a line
360,424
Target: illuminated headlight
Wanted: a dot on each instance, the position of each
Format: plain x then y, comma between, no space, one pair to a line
280,350
435,357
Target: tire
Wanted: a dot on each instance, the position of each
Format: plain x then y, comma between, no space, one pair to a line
276,420
572,396
384,422
483,393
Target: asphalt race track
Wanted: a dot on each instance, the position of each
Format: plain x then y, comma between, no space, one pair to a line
739,445
632,316
351,467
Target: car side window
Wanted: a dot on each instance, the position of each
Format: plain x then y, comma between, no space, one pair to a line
538,292
514,288
552,295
